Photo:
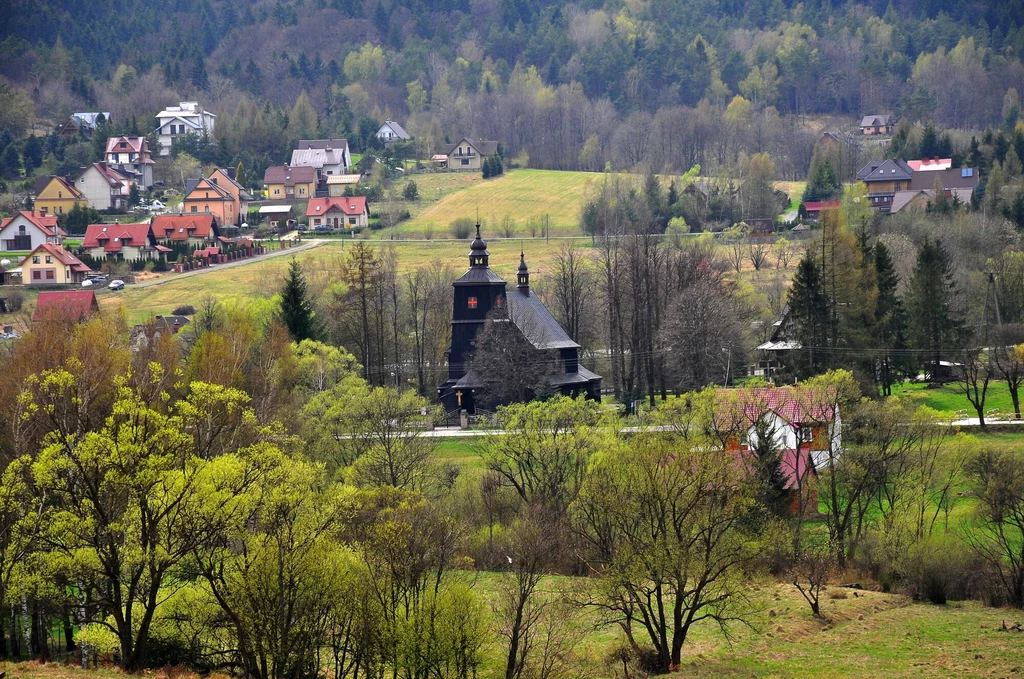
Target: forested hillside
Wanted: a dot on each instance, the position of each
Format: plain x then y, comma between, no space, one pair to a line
559,81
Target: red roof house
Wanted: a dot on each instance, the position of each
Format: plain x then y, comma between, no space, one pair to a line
64,305
123,241
338,212
199,230
51,264
28,229
813,208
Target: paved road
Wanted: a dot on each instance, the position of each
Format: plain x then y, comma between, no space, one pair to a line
306,245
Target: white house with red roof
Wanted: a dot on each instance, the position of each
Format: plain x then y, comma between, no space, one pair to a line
28,230
121,241
131,155
804,424
51,264
338,212
197,230
105,187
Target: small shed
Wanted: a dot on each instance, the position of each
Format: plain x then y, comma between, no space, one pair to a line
275,213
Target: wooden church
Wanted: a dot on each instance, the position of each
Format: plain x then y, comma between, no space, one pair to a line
480,291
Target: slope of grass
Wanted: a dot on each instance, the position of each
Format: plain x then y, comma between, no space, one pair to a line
950,398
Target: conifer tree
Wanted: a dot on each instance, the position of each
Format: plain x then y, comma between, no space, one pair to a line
808,307
890,317
296,308
933,323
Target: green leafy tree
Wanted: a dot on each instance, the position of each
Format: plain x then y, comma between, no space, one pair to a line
297,309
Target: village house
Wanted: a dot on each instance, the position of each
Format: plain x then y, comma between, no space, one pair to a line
338,213
469,154
814,208
958,184
197,231
51,264
220,195
144,334
875,125
81,123
65,306
131,155
28,230
337,184
188,117
804,426
327,162
104,187
477,293
290,183
128,242
340,150
883,179
59,196
390,132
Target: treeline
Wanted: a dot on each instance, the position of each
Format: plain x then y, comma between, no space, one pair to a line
229,499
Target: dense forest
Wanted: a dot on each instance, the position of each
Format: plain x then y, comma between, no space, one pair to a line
578,86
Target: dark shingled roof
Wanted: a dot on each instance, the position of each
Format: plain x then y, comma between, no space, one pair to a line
889,170
484,148
536,322
954,178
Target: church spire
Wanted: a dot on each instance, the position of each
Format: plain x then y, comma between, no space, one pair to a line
523,274
478,255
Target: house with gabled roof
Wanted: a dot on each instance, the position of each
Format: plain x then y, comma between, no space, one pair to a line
338,212
105,187
195,230
878,124
883,179
804,426
290,183
51,264
65,305
130,242
27,230
59,196
81,123
390,132
329,144
470,154
328,162
188,117
478,293
220,195
131,155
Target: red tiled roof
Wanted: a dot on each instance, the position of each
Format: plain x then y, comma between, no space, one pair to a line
111,237
127,145
183,227
929,164
818,206
289,176
45,223
75,304
355,205
63,256
793,404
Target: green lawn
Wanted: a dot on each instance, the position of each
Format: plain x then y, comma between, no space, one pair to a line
950,398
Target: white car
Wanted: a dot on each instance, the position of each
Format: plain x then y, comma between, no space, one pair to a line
87,283
116,285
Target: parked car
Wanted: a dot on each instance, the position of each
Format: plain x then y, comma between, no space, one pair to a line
116,285
323,227
87,283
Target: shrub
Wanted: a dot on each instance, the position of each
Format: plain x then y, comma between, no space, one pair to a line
14,298
462,227
184,310
411,192
939,570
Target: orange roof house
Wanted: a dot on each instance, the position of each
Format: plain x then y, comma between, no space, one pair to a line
51,264
338,212
64,305
27,230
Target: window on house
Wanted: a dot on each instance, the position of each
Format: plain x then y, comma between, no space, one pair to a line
277,192
49,259
465,161
472,303
37,275
899,186
35,259
806,434
352,221
195,208
49,275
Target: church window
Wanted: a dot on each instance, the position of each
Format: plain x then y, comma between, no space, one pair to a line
472,303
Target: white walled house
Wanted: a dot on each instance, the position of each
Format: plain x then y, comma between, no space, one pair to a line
186,118
28,230
390,132
104,187
131,155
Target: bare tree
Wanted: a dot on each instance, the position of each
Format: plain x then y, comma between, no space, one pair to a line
575,281
757,252
507,367
811,573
